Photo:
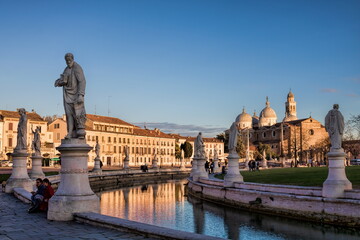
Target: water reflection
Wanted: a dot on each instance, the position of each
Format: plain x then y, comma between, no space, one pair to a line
165,205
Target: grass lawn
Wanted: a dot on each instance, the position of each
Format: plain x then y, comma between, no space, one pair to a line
4,177
314,176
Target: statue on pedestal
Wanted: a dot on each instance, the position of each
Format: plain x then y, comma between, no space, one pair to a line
233,135
73,83
22,131
199,147
36,143
334,124
97,149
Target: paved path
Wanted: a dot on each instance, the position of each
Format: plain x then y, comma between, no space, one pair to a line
17,224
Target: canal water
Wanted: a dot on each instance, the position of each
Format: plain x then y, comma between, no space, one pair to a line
166,205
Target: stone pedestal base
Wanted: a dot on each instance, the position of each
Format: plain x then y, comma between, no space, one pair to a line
264,163
36,171
336,182
74,193
200,169
62,208
233,174
126,163
154,164
182,164
193,168
216,166
19,177
97,168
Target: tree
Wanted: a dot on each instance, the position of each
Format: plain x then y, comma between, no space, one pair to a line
240,147
187,148
225,138
177,151
352,128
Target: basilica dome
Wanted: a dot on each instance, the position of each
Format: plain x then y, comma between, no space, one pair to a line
244,120
267,115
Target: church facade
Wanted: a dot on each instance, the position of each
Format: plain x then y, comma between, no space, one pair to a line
291,138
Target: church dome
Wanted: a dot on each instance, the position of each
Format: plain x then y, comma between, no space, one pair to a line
244,120
255,119
267,115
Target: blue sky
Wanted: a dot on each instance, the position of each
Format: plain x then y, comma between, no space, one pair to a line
183,65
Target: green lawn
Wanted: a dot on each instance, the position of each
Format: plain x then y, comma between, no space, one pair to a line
4,177
314,176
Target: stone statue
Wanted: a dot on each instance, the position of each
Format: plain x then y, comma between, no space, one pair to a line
216,156
233,135
199,147
22,131
264,155
97,149
126,151
73,83
36,143
334,124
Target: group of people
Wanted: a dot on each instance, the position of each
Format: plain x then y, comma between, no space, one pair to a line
40,198
253,166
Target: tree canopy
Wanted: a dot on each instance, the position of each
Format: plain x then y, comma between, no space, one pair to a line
187,148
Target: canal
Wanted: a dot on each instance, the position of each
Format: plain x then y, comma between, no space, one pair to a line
166,205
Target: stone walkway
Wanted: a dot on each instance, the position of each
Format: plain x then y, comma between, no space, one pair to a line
17,224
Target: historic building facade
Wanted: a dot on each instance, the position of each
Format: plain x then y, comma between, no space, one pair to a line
8,133
304,138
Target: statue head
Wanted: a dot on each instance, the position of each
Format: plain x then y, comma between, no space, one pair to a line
21,111
69,59
336,106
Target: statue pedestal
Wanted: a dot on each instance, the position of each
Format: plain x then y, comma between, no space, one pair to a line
200,169
216,166
19,176
336,182
154,164
247,163
233,173
36,170
182,164
97,168
264,163
126,163
74,193
193,168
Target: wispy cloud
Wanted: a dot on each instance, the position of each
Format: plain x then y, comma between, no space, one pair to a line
354,95
184,130
329,90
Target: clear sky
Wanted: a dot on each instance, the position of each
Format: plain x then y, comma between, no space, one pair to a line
183,65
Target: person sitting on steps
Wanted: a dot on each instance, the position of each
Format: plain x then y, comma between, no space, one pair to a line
38,196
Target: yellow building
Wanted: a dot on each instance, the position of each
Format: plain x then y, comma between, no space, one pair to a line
8,133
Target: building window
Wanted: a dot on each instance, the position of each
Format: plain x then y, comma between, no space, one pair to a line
57,136
114,149
10,142
10,127
273,133
109,139
264,134
114,139
311,132
57,125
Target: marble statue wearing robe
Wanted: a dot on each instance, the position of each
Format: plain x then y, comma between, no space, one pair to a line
199,147
73,82
22,131
97,149
36,144
233,136
334,124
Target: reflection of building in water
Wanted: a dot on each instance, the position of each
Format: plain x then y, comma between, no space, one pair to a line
142,204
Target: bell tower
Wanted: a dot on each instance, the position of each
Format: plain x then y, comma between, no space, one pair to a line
290,105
